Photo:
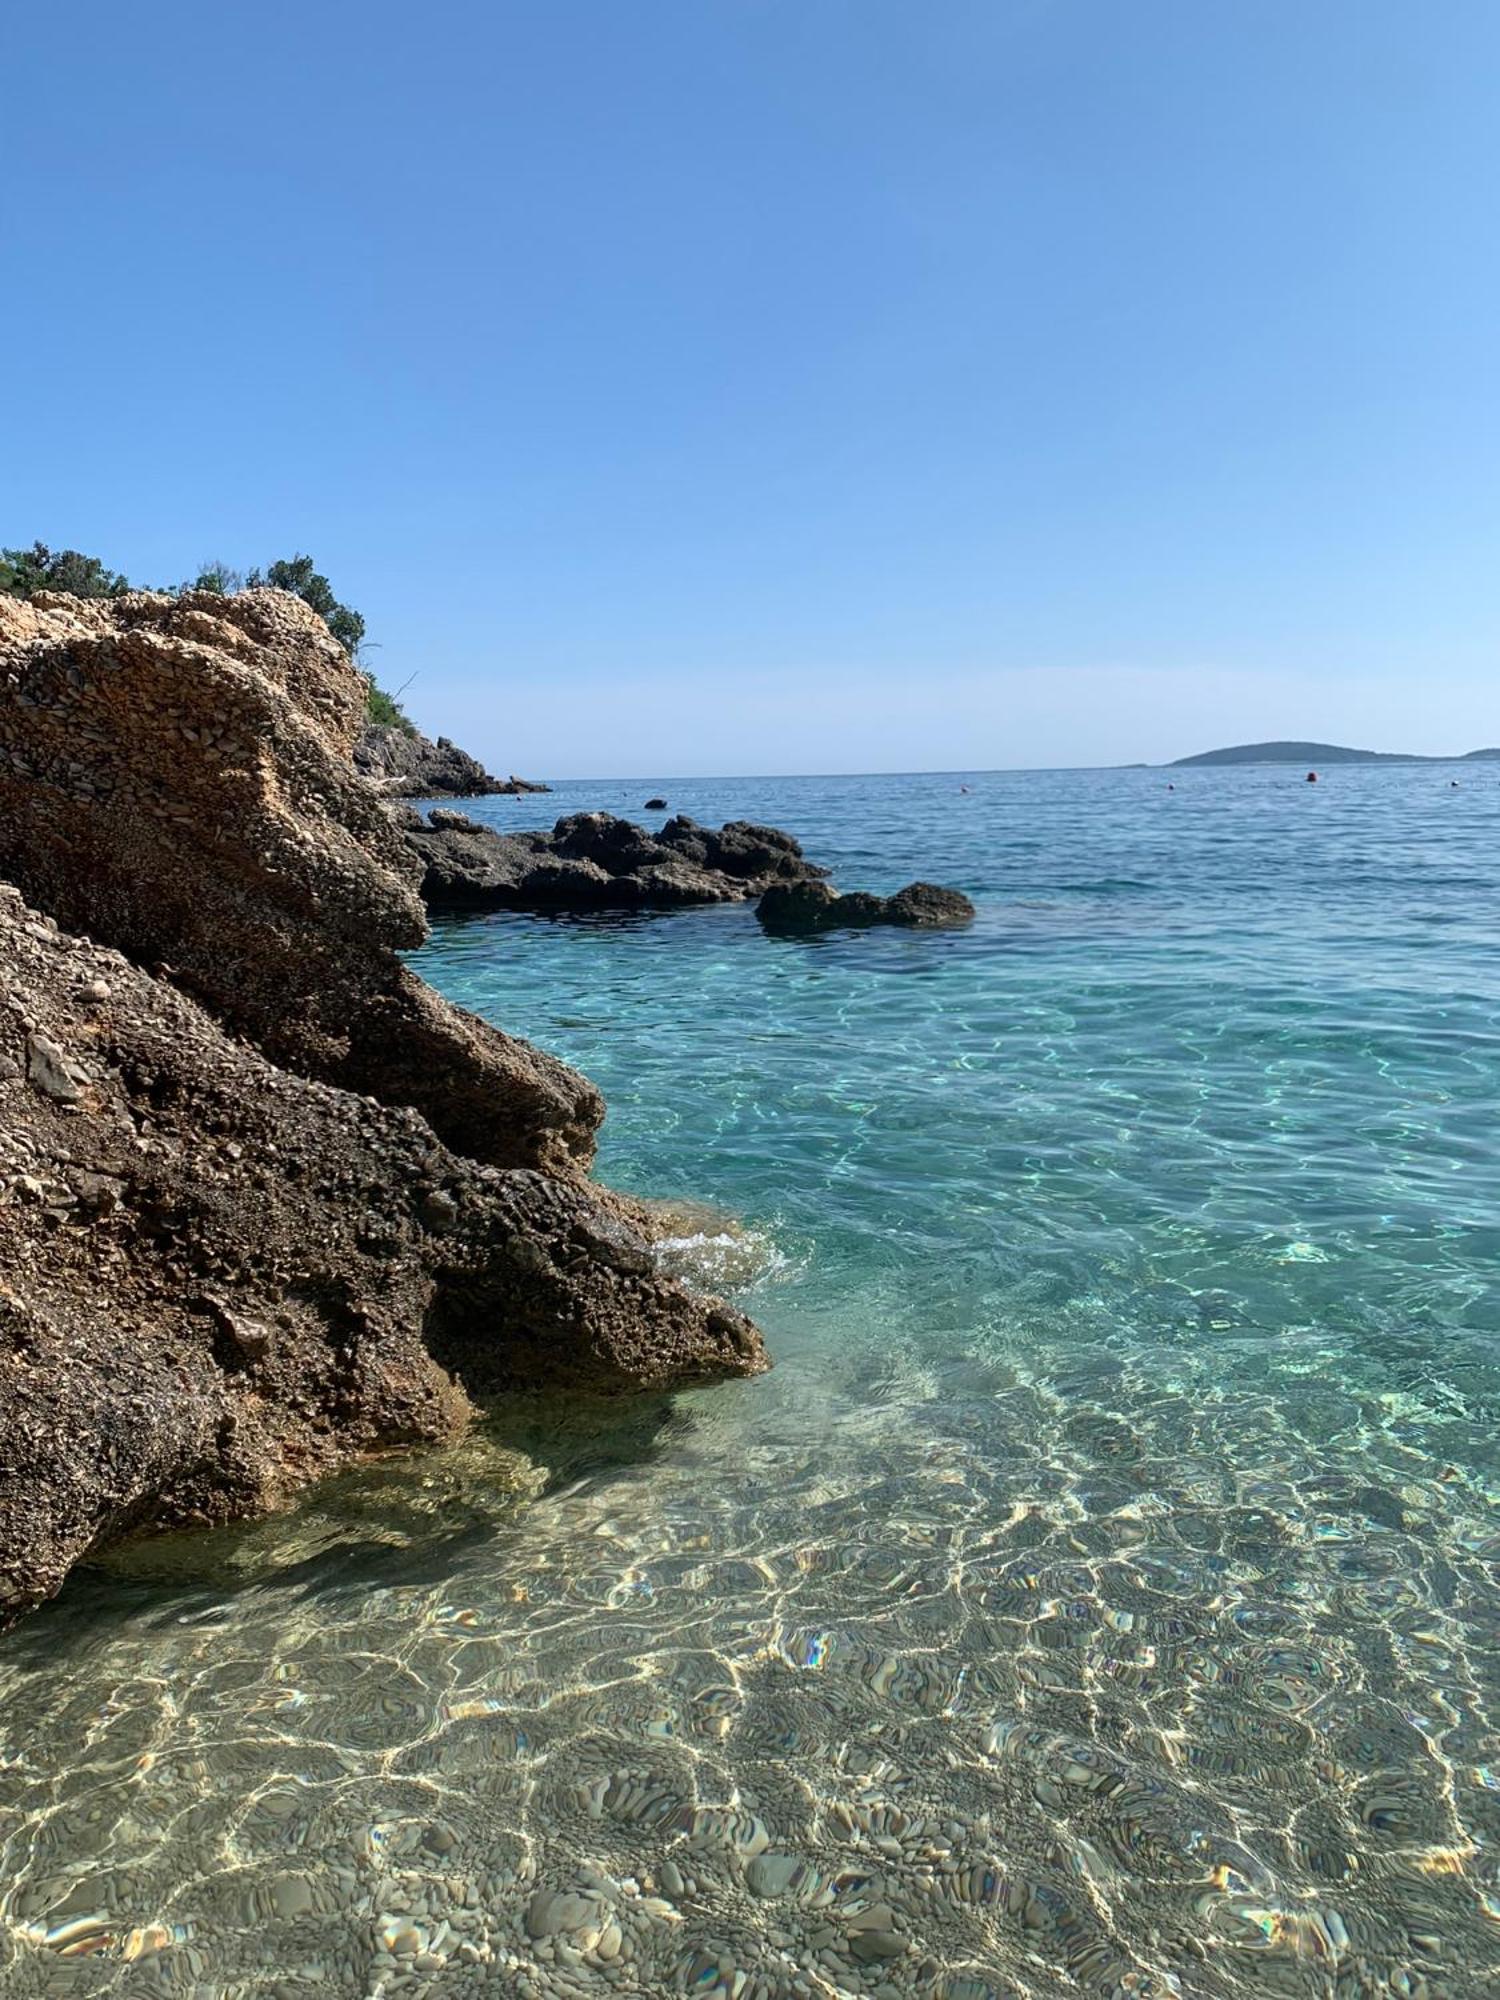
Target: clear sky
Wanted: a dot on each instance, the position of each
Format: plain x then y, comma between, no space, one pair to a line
699,386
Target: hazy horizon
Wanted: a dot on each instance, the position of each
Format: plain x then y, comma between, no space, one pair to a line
975,770
1017,383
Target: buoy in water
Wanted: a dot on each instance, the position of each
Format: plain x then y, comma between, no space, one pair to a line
1312,777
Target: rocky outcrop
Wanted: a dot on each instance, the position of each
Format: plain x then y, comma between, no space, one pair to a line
176,778
800,907
266,1200
594,861
218,1280
404,764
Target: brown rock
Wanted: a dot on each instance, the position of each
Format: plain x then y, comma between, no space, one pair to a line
248,1286
176,779
272,1203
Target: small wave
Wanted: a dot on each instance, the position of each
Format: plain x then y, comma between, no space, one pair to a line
721,1260
1107,885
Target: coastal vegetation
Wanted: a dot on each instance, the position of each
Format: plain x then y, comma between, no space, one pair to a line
24,572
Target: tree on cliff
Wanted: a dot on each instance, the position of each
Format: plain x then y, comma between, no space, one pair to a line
219,578
23,572
302,580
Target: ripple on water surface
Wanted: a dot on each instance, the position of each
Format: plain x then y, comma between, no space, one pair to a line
1100,1597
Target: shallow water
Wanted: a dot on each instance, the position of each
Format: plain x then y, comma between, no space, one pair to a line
1099,1597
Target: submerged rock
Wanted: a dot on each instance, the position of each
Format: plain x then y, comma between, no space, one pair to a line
594,861
403,763
817,906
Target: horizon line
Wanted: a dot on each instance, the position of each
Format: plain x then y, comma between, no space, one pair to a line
1005,770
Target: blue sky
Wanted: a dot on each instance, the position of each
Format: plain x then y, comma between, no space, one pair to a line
693,386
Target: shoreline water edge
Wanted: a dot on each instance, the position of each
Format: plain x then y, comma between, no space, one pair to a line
274,1203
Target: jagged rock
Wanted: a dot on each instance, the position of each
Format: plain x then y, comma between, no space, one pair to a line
266,1200
176,779
218,1279
593,861
801,907
49,1069
927,905
403,763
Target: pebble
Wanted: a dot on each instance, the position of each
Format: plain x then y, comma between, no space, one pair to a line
772,1874
291,1896
552,1913
610,1940
870,1947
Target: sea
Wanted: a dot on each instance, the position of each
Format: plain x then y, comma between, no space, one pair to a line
1100,1596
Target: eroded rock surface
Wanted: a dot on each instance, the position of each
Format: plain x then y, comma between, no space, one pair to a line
176,779
218,1280
816,906
267,1201
405,764
594,861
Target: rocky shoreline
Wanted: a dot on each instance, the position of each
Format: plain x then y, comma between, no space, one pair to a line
594,861
402,763
269,1202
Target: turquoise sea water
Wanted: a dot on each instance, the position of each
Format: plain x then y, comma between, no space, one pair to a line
1100,1597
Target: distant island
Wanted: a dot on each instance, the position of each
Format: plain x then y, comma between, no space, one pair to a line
1320,753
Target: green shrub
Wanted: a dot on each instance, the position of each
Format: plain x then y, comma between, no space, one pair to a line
23,572
386,710
302,580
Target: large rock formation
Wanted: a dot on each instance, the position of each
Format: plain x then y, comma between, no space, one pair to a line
594,861
218,1279
176,776
302,1208
405,764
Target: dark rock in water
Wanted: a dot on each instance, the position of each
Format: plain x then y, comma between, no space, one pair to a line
594,861
267,1202
927,905
402,763
656,805
800,907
